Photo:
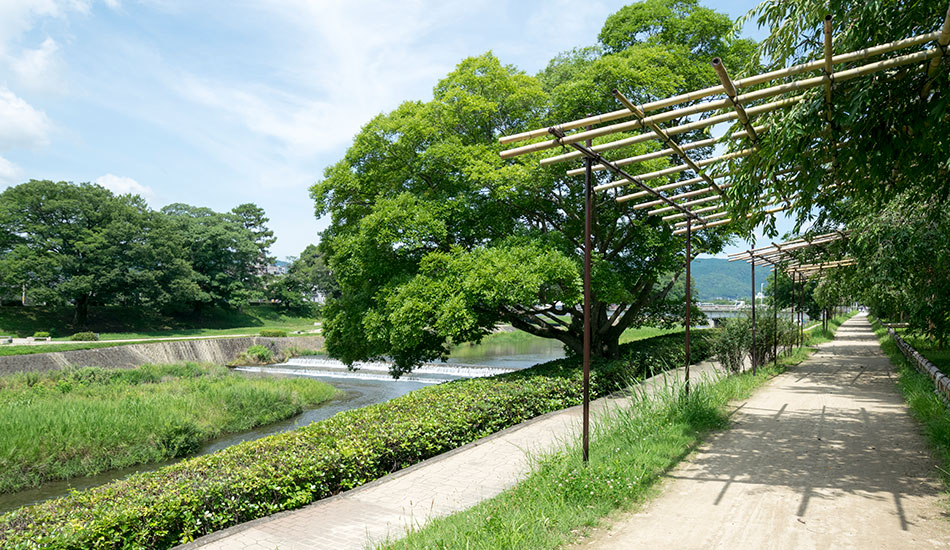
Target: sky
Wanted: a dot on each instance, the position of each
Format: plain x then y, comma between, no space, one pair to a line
218,103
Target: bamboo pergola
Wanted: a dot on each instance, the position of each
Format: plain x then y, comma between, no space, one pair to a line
698,199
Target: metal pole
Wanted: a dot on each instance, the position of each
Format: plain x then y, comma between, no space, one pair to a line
689,299
753,314
588,214
774,316
801,310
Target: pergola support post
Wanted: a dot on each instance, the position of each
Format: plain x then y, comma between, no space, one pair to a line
689,257
588,223
753,319
774,316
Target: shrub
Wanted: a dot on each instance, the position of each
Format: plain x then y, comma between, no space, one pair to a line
734,342
41,334
199,495
84,336
273,333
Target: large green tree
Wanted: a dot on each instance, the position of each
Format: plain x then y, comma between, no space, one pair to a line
80,244
307,279
434,239
223,249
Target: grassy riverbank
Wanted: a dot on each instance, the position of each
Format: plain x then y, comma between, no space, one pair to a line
78,422
114,323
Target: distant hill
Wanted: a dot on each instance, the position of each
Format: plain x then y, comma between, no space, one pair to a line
720,278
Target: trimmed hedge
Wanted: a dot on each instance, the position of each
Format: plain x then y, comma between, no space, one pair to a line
84,337
197,496
273,333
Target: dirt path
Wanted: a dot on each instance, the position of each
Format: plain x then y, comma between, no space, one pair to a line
825,456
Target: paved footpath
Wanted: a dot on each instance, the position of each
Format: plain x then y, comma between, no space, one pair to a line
450,482
825,456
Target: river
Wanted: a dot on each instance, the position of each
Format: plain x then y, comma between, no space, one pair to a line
368,385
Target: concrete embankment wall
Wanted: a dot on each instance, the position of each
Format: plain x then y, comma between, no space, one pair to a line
220,351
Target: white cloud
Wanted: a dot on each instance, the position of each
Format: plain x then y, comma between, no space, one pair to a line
20,124
9,172
113,4
122,185
37,68
19,16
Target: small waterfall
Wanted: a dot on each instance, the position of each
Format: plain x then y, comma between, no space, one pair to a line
427,373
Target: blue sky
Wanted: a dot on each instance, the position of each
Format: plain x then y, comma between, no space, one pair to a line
218,103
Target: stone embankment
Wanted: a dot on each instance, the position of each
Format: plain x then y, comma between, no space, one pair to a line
219,351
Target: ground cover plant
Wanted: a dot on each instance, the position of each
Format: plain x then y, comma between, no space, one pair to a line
31,349
199,495
925,405
631,448
82,421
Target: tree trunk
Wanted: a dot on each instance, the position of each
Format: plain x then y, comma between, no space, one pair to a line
81,311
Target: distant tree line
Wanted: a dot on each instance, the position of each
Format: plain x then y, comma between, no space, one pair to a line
82,245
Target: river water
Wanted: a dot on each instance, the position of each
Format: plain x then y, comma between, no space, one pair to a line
368,385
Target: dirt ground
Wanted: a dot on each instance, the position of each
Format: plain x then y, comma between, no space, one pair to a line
825,456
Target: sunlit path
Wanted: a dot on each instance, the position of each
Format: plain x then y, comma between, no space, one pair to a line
825,456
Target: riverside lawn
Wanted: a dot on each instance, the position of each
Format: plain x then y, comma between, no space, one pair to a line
83,421
197,496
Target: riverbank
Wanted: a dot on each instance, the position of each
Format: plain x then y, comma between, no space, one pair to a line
77,422
219,351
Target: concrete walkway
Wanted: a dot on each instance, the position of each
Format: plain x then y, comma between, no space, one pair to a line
454,481
825,456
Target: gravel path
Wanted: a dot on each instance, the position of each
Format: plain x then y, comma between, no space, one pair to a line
825,456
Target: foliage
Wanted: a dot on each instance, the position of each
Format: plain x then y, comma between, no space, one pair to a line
224,249
903,251
889,135
273,333
81,244
82,421
41,334
255,355
180,502
84,337
433,238
307,279
733,344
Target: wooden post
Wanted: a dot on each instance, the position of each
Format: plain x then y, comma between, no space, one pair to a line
588,223
753,315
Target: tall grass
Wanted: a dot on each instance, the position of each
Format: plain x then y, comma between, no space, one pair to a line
925,405
84,421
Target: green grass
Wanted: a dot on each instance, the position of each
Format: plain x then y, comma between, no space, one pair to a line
939,357
818,336
84,421
634,334
925,405
631,449
129,323
49,348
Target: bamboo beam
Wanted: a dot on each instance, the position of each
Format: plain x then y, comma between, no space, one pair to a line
730,220
798,85
743,83
684,204
594,156
685,195
942,41
696,211
666,152
694,166
842,76
670,142
731,95
683,128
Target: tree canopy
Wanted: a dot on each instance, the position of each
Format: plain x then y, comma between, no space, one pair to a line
82,245
435,240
